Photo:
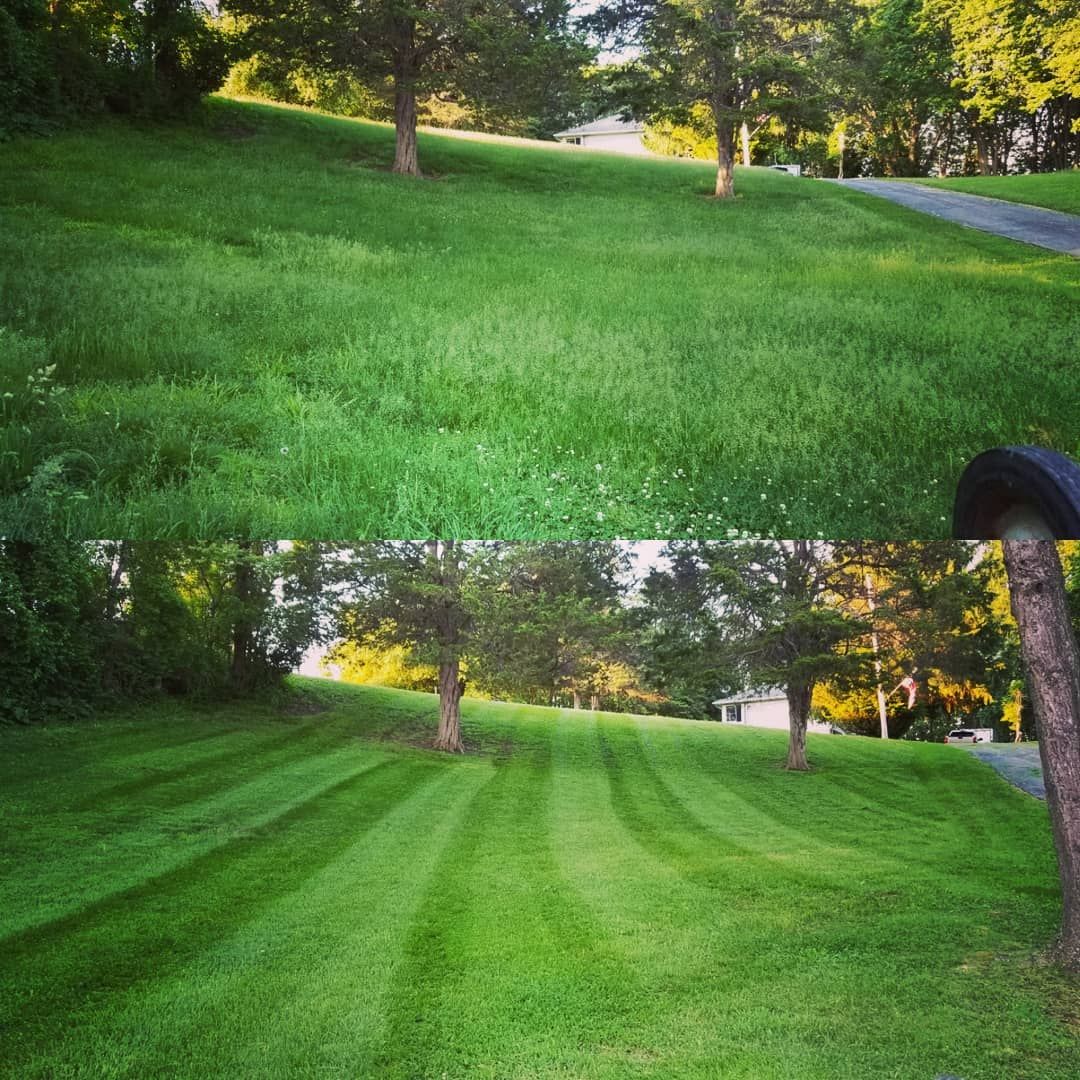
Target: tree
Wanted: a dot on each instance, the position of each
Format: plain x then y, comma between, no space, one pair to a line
502,55
928,606
743,60
683,644
777,620
1052,661
550,620
51,623
413,593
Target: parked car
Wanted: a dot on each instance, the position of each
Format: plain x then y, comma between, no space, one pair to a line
970,735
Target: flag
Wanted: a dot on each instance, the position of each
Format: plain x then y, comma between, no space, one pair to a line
912,687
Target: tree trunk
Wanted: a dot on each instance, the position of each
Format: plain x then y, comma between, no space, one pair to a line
798,698
725,175
982,153
1052,662
883,713
913,148
744,139
406,161
577,700
451,688
243,631
594,702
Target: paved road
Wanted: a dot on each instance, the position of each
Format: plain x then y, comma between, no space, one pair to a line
1019,763
1030,224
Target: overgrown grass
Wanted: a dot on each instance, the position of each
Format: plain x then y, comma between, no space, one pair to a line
1057,191
263,892
254,329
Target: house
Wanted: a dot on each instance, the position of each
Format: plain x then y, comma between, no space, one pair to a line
762,708
611,133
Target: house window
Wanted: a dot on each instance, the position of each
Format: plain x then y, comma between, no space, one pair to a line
733,714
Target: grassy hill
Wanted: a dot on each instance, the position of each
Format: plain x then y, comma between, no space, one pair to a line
257,330
300,889
1056,191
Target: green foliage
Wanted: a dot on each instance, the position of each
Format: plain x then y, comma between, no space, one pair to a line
683,642
411,594
59,59
505,65
83,622
28,88
51,624
738,61
549,620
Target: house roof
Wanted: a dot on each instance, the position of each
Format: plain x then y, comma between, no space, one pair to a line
606,125
766,693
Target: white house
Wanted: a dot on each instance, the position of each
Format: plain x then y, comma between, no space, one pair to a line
761,708
608,133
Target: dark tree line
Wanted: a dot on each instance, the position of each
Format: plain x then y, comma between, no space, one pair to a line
82,624
62,59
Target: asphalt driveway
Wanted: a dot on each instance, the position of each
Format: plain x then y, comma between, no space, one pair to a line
1019,763
1029,224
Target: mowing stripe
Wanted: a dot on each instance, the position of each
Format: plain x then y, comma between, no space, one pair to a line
298,989
149,781
150,929
522,923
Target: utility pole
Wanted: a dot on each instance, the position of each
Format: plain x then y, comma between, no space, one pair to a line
883,714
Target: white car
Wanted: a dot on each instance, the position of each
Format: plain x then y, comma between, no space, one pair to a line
964,735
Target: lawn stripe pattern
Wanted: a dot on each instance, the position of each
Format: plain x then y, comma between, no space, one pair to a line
581,895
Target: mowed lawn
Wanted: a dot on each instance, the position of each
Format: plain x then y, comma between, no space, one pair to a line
304,891
255,329
1056,191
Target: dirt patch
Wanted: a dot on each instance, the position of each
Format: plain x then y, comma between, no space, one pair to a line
361,158
303,706
236,132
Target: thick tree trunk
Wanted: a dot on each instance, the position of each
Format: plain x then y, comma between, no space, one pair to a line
1052,662
451,688
406,161
577,700
594,702
798,698
725,173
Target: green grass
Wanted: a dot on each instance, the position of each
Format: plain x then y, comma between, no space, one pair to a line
1056,191
260,331
258,891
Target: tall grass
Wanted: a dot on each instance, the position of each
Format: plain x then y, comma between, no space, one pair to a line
250,327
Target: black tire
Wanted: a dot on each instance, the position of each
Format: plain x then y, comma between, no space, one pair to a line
1004,488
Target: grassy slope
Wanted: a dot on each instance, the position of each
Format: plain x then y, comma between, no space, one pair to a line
262,332
1058,191
245,891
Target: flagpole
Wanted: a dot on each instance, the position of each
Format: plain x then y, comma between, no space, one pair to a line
882,712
